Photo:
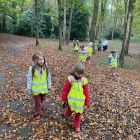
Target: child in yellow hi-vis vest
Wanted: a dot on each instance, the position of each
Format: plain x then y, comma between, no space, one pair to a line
76,46
82,54
89,52
38,81
76,94
113,60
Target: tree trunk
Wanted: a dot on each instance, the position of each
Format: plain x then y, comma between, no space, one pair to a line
64,26
36,23
113,27
52,27
112,36
103,8
60,25
69,24
14,18
93,23
111,11
130,19
99,30
3,22
127,33
127,39
125,20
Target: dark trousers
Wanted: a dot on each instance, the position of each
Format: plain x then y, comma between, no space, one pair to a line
99,49
105,48
38,103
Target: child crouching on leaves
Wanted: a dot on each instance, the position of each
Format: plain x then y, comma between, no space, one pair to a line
113,60
76,94
38,81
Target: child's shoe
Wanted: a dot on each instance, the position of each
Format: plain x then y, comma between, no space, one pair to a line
36,117
89,62
77,129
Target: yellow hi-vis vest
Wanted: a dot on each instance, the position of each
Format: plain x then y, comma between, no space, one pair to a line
76,47
82,56
39,84
76,97
89,50
114,61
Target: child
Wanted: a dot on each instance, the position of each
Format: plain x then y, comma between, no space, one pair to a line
75,93
99,46
113,60
82,54
76,46
74,43
38,81
89,52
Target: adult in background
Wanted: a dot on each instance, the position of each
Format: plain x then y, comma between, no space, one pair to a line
105,45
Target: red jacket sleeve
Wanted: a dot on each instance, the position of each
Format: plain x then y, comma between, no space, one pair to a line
65,91
87,97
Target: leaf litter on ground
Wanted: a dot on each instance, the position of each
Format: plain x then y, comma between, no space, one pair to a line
115,106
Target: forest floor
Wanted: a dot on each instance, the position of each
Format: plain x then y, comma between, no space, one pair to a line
114,113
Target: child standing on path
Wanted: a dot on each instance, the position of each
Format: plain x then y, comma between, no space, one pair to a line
76,46
89,52
82,54
113,60
76,94
99,46
38,81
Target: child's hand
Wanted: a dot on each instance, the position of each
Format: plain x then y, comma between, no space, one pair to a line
87,106
49,89
64,105
30,92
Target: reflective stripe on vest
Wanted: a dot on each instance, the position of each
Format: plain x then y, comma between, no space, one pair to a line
39,84
76,97
114,61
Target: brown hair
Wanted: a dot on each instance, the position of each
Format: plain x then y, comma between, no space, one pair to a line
36,55
82,46
79,68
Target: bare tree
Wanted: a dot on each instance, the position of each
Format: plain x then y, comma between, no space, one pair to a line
127,33
64,25
129,22
60,25
70,21
14,16
36,23
113,26
3,21
93,23
102,17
